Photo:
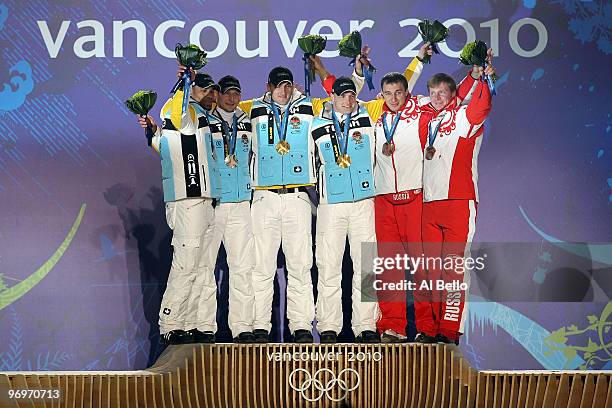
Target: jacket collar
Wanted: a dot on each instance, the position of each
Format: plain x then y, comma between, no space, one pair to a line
214,112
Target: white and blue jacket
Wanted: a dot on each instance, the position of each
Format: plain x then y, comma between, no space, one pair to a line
268,167
235,182
188,167
336,184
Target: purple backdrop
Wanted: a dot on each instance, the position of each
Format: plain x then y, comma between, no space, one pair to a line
66,141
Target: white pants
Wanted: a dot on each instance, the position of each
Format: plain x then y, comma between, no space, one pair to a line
283,218
189,219
334,223
232,226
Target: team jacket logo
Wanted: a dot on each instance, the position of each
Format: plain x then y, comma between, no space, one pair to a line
448,123
295,122
411,111
245,140
191,168
357,137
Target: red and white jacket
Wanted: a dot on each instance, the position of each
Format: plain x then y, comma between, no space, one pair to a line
403,170
452,173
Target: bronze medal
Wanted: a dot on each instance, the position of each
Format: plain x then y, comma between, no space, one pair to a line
344,161
231,161
388,148
429,152
283,147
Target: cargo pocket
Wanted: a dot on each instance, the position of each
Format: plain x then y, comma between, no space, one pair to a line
186,252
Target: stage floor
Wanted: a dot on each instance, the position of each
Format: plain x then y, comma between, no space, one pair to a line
291,375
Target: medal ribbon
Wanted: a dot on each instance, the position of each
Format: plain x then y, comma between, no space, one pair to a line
343,136
389,133
432,134
490,82
368,72
307,76
281,126
229,140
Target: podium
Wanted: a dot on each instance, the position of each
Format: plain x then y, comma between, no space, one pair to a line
313,375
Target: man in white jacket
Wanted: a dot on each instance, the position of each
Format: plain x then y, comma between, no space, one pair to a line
190,180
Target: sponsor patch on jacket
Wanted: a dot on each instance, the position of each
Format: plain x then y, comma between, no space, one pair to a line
295,122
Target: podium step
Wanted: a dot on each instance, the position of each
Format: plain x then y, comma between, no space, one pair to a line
296,375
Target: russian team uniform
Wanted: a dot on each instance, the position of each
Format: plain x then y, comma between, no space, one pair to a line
450,195
398,204
190,179
399,200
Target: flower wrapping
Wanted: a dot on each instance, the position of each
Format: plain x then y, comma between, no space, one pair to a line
141,103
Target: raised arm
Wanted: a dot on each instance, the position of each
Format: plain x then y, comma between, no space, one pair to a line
479,107
466,87
414,70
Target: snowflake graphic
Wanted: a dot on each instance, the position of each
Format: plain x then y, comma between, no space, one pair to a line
590,21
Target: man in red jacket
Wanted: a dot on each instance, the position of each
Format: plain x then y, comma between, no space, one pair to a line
450,199
401,135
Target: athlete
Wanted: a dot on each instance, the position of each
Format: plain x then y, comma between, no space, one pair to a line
450,199
190,180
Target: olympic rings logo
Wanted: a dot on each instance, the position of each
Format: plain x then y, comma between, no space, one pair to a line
314,383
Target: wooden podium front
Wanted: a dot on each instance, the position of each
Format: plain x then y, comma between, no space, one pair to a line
291,375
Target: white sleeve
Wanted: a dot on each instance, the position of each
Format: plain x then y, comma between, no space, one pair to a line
359,80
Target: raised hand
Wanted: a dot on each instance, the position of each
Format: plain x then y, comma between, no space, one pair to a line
426,49
181,70
148,120
363,59
318,66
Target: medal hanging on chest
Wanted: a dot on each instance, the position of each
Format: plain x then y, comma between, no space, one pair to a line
282,147
229,142
343,160
431,137
389,147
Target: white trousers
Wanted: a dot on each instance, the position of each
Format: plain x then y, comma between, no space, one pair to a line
334,223
189,219
232,226
283,218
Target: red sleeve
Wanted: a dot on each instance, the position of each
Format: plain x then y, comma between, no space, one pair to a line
464,86
328,83
480,105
